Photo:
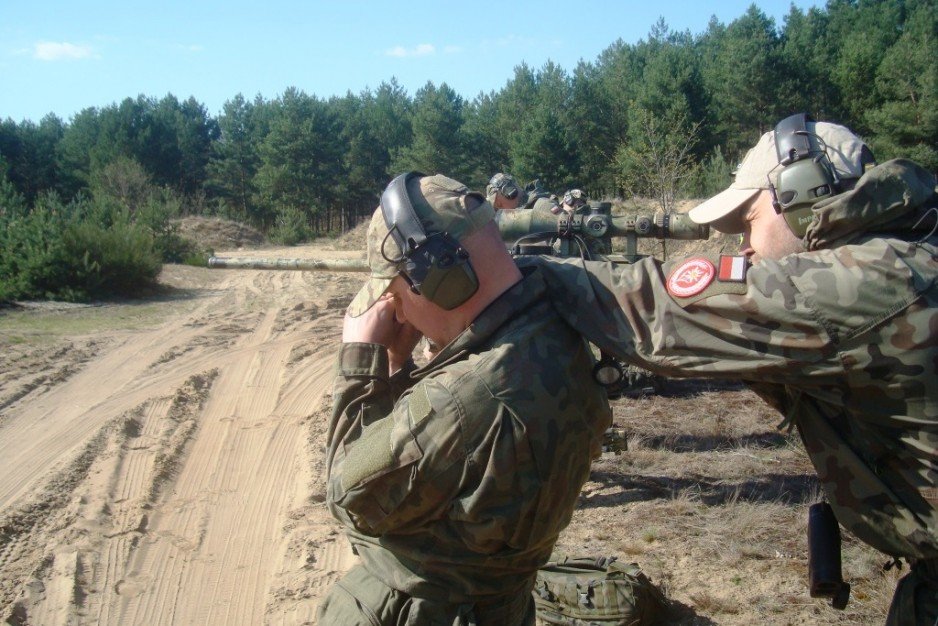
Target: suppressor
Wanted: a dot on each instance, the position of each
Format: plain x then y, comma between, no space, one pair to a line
824,568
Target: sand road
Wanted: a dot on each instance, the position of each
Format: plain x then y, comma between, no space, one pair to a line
175,477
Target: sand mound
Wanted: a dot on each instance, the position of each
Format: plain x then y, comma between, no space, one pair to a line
353,239
215,233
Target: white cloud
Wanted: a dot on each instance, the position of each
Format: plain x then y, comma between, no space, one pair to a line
60,50
419,50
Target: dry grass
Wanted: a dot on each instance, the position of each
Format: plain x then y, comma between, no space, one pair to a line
215,233
711,500
355,239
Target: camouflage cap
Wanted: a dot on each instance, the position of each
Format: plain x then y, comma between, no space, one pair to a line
844,149
442,206
574,197
503,184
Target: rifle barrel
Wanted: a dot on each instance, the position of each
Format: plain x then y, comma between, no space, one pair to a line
306,265
520,223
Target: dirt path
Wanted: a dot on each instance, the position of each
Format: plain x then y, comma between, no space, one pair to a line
169,470
165,481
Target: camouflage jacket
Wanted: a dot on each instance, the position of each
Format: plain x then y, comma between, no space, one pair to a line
456,489
842,339
538,198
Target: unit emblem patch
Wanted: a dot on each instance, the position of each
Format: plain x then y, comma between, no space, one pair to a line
691,277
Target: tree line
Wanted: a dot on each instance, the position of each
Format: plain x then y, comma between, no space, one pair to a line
299,165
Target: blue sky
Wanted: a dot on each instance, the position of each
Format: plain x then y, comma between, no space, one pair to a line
63,56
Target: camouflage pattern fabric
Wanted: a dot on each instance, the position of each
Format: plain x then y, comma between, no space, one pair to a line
504,184
454,491
361,598
842,339
538,198
916,599
541,201
582,591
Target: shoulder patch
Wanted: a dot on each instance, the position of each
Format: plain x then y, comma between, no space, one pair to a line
419,405
691,277
732,269
370,456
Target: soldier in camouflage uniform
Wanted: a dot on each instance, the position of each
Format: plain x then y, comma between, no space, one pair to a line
573,199
837,330
454,480
539,199
503,192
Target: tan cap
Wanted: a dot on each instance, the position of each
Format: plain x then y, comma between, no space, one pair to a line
844,149
441,205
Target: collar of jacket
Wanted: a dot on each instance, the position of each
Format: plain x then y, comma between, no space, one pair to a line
523,294
890,198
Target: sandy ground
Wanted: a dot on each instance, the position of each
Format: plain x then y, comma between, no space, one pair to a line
162,463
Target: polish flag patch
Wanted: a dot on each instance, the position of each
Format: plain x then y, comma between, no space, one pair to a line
691,277
732,269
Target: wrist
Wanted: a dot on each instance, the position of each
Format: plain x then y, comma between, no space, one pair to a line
363,359
402,369
396,362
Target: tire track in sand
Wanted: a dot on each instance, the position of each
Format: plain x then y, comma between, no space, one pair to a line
215,543
68,555
235,531
54,426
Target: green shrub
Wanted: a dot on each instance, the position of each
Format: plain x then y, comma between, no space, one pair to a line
117,260
199,259
76,251
31,249
123,192
711,176
172,247
291,227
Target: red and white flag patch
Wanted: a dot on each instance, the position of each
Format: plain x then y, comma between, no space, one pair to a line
732,269
691,277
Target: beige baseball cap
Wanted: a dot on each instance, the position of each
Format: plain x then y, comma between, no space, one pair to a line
844,149
442,205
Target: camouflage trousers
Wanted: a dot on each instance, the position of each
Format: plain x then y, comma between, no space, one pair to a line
916,599
360,599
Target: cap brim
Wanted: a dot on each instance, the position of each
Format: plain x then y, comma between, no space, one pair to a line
370,293
721,211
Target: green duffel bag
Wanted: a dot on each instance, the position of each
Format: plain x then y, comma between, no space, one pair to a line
596,591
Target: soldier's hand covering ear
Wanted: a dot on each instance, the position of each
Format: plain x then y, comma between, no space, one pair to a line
379,325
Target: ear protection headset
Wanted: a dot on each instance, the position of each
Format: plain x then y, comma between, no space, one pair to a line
505,185
433,264
574,198
807,174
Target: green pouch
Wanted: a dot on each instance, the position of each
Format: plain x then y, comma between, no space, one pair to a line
596,591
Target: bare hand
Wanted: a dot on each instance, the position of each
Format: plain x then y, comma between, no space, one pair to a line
379,325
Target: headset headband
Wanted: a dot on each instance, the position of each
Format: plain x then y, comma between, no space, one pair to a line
793,140
433,264
400,216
